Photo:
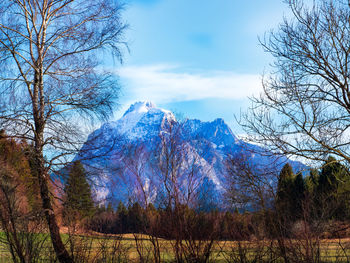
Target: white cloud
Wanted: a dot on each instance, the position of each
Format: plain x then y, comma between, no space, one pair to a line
167,83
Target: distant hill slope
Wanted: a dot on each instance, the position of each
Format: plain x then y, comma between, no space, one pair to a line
126,154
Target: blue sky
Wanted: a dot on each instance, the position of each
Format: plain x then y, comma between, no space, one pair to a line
201,58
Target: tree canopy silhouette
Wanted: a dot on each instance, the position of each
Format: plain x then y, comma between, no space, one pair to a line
305,105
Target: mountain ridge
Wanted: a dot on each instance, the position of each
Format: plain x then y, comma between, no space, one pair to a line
144,125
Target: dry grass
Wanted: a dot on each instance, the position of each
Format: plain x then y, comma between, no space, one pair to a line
95,246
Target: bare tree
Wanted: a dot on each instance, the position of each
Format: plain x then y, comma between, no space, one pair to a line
137,171
179,168
248,185
136,162
19,223
50,52
180,175
304,109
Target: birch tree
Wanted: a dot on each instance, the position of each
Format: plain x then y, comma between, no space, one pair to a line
51,78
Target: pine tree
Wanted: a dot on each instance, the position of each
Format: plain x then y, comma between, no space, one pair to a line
311,181
298,196
333,189
109,208
290,194
284,203
284,190
136,218
78,197
122,224
328,176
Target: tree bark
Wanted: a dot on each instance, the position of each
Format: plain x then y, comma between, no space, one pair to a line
42,173
52,50
60,250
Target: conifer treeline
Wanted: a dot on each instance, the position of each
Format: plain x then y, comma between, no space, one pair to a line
321,195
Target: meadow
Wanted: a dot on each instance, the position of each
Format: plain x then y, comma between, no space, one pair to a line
141,248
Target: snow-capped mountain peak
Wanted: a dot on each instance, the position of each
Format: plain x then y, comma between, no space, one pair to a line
206,145
140,107
141,120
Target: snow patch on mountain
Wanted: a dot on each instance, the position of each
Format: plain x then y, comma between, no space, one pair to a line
209,143
138,120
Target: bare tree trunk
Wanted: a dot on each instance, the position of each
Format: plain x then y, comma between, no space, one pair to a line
60,250
50,50
42,173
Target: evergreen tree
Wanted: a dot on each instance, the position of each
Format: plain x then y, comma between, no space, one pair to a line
328,177
311,181
109,208
297,196
122,222
290,194
136,219
284,190
284,203
78,197
333,190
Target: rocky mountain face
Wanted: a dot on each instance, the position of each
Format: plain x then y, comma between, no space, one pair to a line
134,157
